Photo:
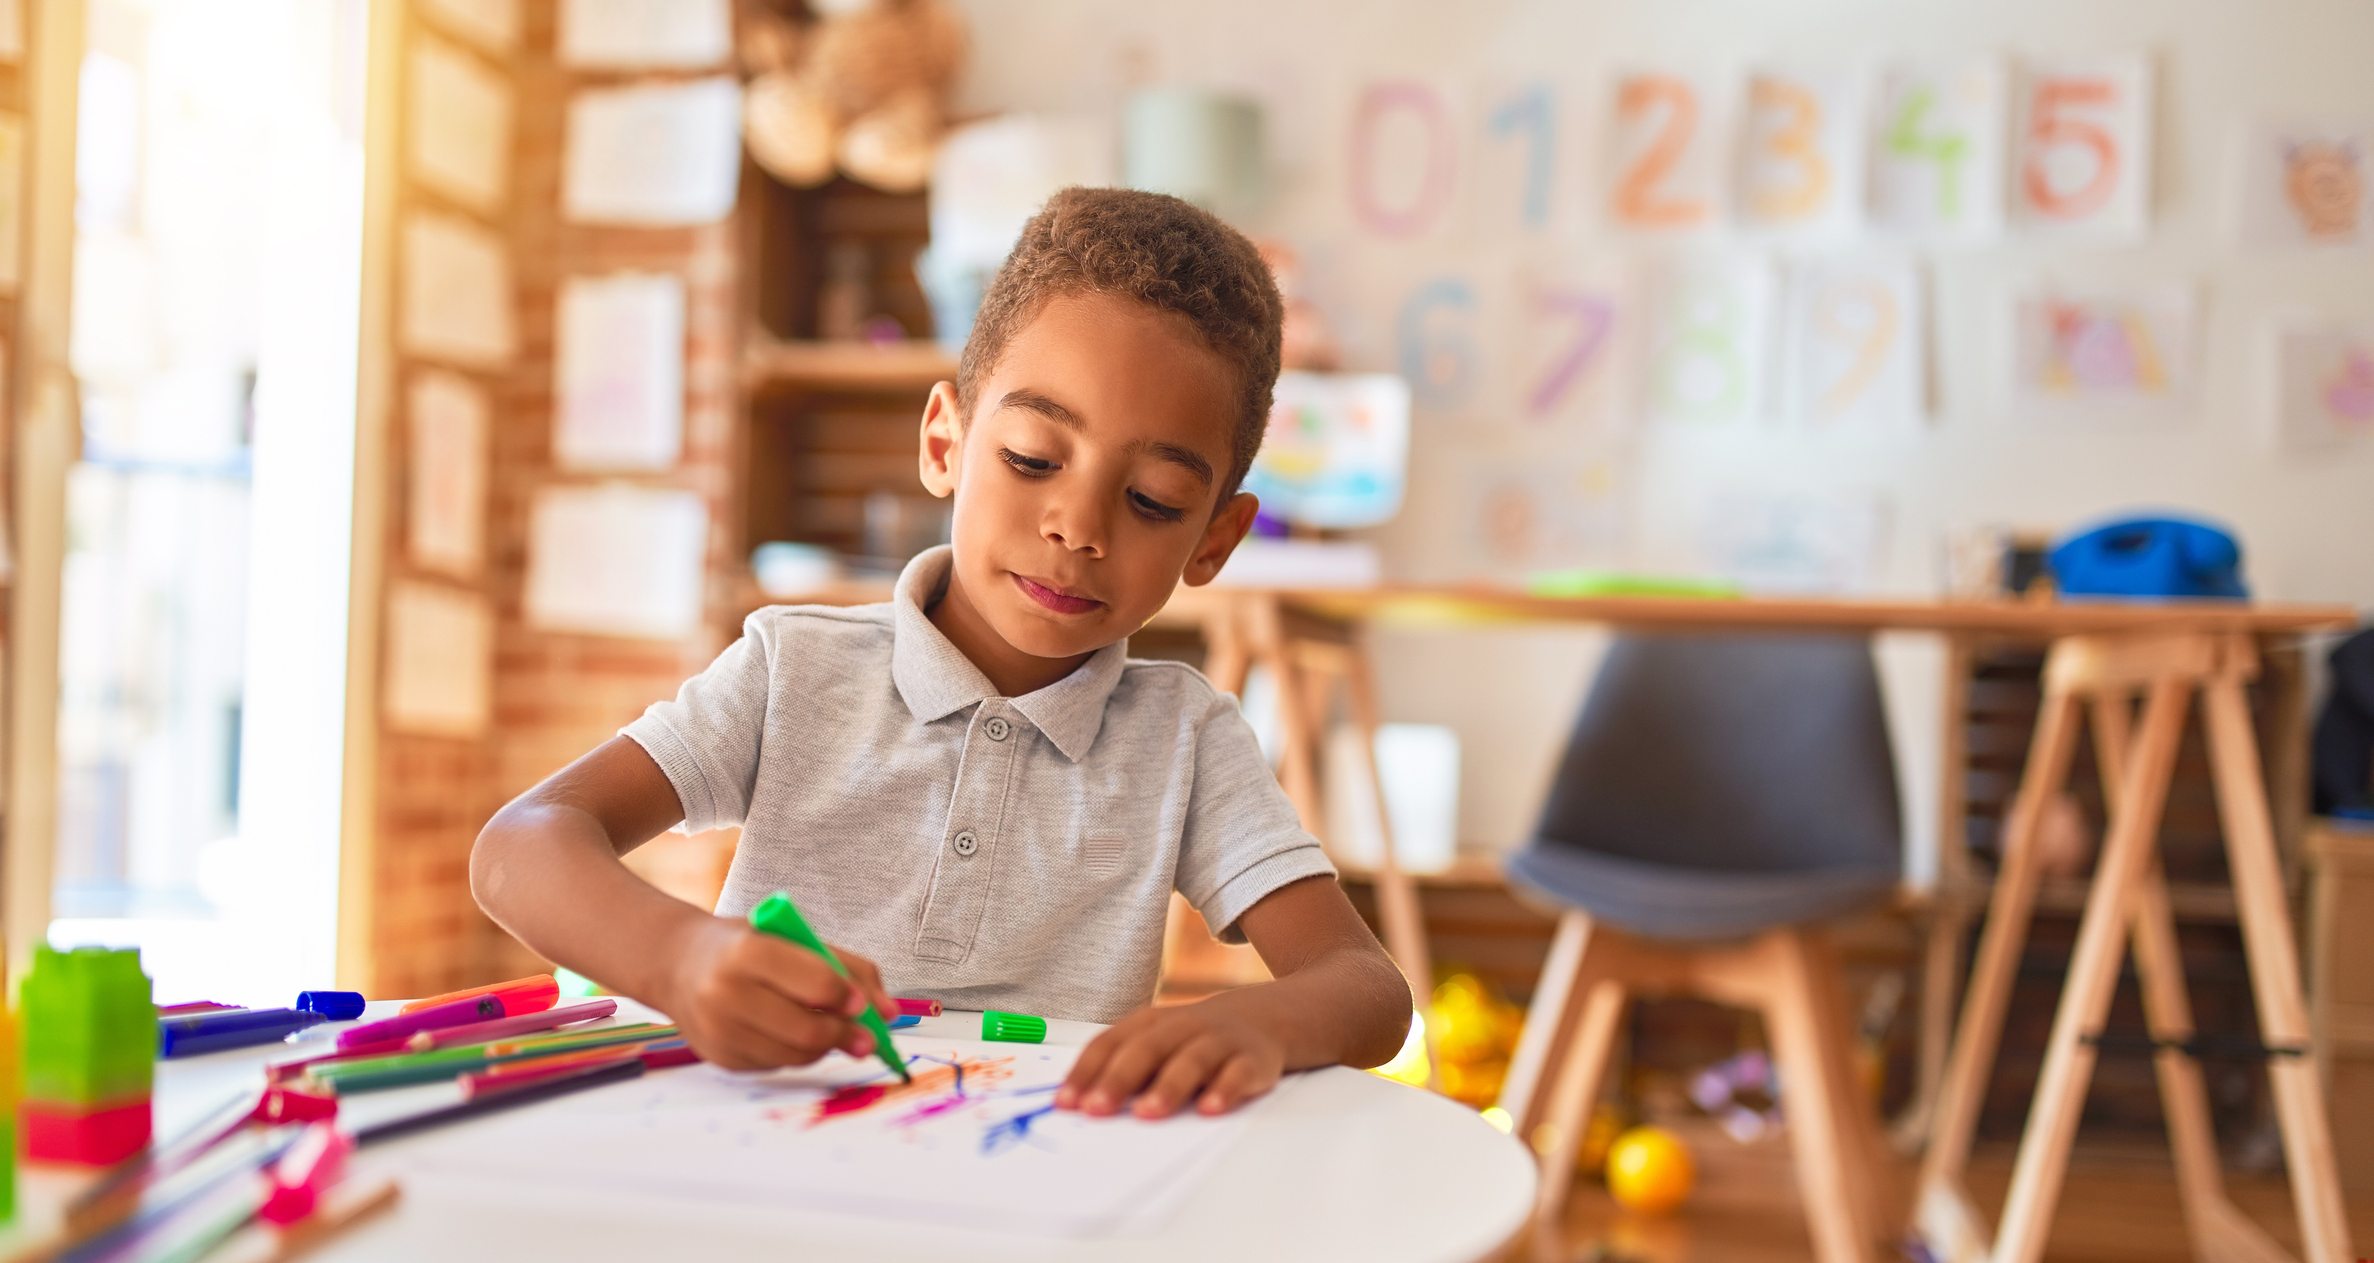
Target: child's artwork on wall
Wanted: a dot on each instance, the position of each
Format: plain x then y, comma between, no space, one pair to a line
1706,333
617,560
1937,149
1523,136
1548,512
653,155
1664,153
1566,330
1799,161
2324,383
458,126
618,369
2104,356
1337,451
1438,347
1854,352
974,1142
2305,184
1402,168
454,301
2083,157
1779,542
446,511
440,660
644,34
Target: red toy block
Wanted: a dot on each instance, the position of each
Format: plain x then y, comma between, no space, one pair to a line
100,1136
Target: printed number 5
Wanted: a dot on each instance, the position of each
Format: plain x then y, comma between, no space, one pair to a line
2051,127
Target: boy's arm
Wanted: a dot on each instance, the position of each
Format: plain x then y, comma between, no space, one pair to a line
546,868
1337,998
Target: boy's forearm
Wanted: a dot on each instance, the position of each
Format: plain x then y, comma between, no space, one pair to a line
1350,1007
548,873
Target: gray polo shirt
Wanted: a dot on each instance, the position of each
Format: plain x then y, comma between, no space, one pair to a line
989,852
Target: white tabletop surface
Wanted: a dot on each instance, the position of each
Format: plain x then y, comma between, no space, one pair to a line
1343,1165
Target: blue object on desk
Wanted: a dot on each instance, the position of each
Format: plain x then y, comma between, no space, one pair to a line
337,1006
903,1021
239,1028
2150,557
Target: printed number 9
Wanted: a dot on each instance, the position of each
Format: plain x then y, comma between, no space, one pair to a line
1437,357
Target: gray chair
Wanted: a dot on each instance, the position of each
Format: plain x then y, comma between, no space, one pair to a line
1719,793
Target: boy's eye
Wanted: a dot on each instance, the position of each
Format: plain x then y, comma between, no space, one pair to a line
1030,465
1156,509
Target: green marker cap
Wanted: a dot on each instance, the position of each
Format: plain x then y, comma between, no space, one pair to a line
1013,1028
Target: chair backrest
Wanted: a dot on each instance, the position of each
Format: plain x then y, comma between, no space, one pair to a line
1763,753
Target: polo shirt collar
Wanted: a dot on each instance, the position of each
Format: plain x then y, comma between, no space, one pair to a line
936,680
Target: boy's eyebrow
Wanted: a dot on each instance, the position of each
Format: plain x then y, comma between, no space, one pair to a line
1185,458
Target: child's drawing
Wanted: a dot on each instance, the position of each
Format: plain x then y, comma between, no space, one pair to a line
2324,383
2305,184
2105,355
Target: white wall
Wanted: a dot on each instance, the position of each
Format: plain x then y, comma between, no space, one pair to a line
2307,523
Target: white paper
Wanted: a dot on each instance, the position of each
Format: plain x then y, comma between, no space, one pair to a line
1855,345
1664,151
2305,184
1337,451
973,1142
1402,177
2104,356
2323,394
1567,335
1522,516
1781,542
459,125
618,389
440,660
447,507
1937,149
617,560
2083,159
1709,324
456,292
1521,160
1799,163
656,154
490,24
645,34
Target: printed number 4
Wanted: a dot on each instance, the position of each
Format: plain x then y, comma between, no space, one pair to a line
1947,149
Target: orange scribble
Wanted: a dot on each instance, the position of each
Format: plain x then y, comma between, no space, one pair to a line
963,1077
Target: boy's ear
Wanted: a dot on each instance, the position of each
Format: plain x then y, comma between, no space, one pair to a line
1227,530
943,434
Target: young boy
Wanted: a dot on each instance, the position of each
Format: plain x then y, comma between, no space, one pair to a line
971,787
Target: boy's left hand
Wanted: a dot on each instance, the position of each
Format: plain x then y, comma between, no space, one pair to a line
1208,1053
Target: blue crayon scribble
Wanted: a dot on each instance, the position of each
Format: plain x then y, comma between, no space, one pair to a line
1014,1131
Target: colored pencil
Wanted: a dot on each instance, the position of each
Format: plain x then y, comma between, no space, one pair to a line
591,1077
445,1063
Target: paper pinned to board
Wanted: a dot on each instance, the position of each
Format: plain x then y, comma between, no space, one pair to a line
455,298
645,34
446,511
617,560
974,1142
2323,395
458,129
618,390
490,24
653,154
440,660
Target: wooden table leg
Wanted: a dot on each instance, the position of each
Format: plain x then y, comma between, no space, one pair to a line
2093,974
2274,971
1397,896
1549,1026
1574,1090
1827,1153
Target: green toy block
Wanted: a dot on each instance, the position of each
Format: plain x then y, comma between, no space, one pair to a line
89,1027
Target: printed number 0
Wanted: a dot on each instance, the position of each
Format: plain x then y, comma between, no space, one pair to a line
1637,200
1434,188
2050,127
1438,363
1798,142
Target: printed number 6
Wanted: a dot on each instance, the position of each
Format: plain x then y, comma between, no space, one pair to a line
2050,127
1439,362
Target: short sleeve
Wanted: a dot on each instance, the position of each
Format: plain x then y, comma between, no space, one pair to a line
1242,838
707,740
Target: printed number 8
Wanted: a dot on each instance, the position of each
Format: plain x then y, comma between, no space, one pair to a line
1700,376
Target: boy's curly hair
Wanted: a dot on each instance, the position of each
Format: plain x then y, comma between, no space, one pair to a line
1157,250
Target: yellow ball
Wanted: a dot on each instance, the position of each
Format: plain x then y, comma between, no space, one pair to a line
1649,1170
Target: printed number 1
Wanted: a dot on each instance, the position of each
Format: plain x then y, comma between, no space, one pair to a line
1529,111
1947,149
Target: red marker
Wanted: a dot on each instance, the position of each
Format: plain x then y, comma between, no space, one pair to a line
532,994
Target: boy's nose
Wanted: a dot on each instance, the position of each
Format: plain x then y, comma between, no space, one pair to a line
1078,523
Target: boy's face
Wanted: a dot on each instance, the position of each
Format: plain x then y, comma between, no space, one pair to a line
1087,480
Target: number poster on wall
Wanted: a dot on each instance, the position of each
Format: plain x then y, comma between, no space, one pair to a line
2083,158
1937,149
1799,160
1854,357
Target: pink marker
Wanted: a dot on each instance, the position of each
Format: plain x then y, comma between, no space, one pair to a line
306,1171
524,1024
917,1008
485,1008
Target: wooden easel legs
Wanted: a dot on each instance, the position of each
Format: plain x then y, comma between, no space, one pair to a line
2128,896
1788,975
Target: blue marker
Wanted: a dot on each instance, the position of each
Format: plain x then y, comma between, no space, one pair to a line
239,1028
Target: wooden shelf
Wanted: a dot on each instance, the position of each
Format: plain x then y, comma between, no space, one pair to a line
911,365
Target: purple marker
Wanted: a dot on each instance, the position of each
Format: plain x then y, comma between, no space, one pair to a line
484,1008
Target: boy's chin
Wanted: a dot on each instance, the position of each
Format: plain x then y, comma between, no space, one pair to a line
1042,636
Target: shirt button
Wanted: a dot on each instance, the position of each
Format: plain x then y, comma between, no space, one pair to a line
997,728
966,843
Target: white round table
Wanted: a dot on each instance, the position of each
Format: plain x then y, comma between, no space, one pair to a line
1345,1165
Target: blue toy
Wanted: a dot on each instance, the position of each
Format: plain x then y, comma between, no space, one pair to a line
2150,557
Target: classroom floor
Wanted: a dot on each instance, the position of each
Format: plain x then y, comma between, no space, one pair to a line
2120,1206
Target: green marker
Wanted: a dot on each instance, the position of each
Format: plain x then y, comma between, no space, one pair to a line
778,917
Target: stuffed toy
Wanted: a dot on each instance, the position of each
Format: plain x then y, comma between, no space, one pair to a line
862,89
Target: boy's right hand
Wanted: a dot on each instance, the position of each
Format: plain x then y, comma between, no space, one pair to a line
752,1001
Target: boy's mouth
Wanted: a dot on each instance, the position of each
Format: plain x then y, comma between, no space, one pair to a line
1059,601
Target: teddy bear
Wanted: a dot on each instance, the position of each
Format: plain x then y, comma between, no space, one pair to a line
861,88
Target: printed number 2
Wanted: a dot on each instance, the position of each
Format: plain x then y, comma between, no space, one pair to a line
1947,149
2051,127
1796,142
1638,201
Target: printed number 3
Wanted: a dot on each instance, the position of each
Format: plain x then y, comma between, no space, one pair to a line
1795,142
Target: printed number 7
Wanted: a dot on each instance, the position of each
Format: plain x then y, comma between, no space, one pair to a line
1593,318
1946,149
2049,125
